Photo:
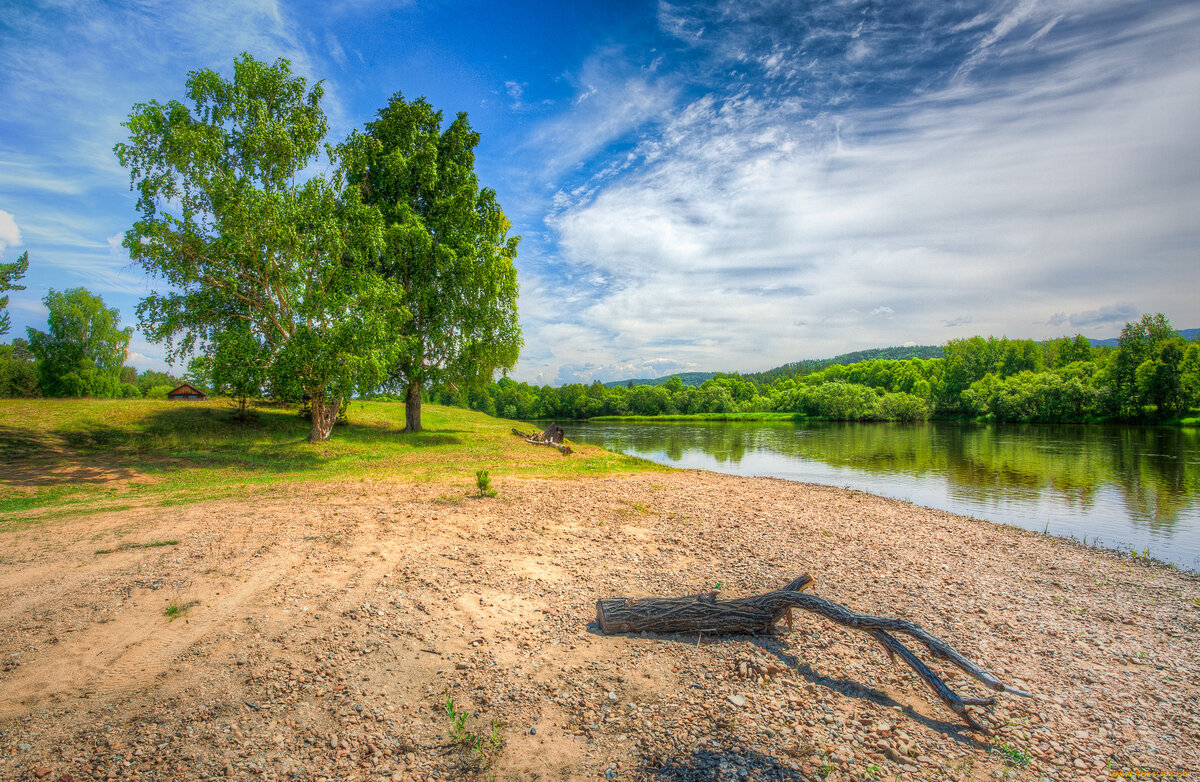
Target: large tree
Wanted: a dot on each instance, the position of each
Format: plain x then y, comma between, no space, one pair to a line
84,349
1140,342
446,244
9,274
247,240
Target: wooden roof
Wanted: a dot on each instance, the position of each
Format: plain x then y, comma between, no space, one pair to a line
186,389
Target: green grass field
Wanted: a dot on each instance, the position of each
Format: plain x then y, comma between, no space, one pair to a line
66,457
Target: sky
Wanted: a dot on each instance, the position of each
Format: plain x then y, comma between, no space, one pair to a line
708,186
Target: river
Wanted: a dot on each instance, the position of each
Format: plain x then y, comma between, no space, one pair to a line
1122,487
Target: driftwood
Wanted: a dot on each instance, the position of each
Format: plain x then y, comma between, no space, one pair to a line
710,616
552,436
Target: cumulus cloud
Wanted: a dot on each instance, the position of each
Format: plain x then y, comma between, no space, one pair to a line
10,234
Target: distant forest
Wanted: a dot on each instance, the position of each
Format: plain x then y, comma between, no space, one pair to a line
1152,375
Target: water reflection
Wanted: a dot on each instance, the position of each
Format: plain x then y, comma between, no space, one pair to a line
1137,486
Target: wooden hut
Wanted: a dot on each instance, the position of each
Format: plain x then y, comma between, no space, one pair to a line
185,393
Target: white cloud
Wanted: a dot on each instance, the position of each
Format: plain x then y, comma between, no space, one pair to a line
10,234
28,305
1006,25
1108,315
621,101
336,52
750,231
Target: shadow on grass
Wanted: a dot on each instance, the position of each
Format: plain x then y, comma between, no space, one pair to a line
178,437
19,443
33,459
430,439
185,437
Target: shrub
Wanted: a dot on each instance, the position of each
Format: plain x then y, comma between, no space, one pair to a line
903,407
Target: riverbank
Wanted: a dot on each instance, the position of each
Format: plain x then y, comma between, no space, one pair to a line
319,628
703,417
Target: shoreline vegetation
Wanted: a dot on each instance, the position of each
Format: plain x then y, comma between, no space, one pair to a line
1152,376
332,591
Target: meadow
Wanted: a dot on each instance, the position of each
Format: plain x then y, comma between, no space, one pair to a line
67,457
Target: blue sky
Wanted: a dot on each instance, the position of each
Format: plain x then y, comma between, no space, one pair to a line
699,186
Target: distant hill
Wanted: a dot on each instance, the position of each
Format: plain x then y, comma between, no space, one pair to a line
688,378
811,365
1112,342
795,368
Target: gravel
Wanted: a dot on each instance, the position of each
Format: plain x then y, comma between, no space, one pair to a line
336,624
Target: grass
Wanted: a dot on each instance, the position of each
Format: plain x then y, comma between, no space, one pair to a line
484,748
64,458
127,546
1011,755
177,608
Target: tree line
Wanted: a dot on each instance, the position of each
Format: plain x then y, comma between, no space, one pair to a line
81,354
1153,374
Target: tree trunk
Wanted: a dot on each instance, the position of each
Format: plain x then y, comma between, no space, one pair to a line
324,415
708,615
412,408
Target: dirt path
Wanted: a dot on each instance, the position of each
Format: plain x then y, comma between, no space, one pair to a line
331,623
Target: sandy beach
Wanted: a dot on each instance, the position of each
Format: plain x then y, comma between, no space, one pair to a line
319,631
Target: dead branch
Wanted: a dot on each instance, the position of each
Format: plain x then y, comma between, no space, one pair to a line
706,614
552,436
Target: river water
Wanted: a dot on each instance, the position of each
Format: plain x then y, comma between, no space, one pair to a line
1123,487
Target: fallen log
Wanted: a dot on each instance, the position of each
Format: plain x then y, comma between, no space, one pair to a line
552,436
706,614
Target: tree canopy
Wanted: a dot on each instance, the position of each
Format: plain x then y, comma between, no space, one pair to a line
247,242
445,243
84,349
9,274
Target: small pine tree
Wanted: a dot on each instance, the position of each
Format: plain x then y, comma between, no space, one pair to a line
484,483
